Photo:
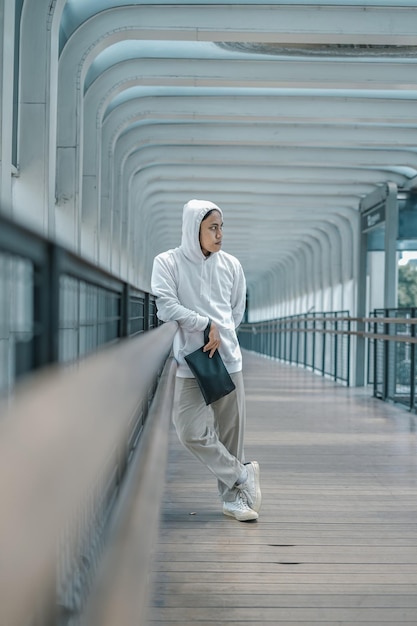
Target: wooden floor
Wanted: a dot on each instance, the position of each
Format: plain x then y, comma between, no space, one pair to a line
336,541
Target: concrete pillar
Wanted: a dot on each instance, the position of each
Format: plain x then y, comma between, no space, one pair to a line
360,352
391,260
376,277
7,28
391,272
386,198
34,190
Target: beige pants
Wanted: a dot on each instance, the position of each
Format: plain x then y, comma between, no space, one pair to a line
214,434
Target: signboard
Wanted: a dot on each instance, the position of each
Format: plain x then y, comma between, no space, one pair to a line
372,218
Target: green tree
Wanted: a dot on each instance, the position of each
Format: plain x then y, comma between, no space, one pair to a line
407,285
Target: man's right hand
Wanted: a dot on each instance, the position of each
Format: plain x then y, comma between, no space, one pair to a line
214,341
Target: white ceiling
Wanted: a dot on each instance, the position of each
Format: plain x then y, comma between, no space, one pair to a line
285,115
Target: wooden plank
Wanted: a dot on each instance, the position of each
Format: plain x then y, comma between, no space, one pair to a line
303,623
288,567
286,615
282,600
251,589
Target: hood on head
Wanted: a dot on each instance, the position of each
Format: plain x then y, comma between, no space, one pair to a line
192,216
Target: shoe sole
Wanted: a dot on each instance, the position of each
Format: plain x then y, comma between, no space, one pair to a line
252,518
258,495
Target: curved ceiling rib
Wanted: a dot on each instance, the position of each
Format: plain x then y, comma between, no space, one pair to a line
285,114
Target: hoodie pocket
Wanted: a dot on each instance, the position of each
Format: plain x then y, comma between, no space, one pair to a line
192,341
229,348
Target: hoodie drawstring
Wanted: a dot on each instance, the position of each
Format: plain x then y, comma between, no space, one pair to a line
205,286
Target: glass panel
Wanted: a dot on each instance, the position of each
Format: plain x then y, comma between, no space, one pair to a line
16,319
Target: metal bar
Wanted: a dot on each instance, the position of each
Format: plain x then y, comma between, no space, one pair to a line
348,358
375,363
413,365
46,308
370,320
16,239
305,343
124,312
313,361
369,335
147,321
386,362
82,269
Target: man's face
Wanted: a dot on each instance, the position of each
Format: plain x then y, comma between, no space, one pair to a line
211,233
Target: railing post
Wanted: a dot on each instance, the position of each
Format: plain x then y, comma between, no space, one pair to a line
298,340
46,307
305,341
386,359
146,320
279,338
412,363
375,385
313,361
348,354
276,338
284,340
124,330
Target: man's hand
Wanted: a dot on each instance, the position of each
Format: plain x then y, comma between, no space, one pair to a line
214,340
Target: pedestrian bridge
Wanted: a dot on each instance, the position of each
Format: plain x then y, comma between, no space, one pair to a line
140,527
299,120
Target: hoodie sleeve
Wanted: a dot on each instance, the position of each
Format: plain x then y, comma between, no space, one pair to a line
238,298
169,308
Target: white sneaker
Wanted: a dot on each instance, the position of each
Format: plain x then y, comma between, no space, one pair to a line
239,509
251,488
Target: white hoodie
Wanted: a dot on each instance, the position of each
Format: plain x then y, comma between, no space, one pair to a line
191,289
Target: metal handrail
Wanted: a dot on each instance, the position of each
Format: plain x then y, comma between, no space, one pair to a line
250,327
246,327
292,340
64,295
391,353
61,435
353,333
122,590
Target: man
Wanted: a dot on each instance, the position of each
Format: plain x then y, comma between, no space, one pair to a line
200,285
